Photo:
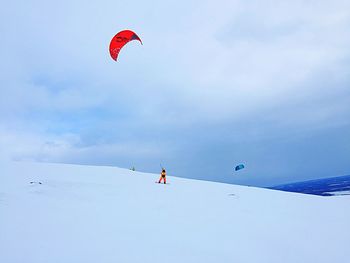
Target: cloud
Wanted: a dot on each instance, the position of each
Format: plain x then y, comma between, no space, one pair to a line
211,75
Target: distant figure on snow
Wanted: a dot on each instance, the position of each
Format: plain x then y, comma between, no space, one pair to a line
162,176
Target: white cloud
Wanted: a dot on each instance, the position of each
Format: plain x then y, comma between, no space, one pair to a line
203,64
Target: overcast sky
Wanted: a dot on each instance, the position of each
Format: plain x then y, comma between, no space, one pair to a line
216,83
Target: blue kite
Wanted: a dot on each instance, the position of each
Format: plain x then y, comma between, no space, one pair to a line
239,167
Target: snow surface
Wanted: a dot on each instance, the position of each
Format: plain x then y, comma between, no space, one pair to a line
339,193
106,214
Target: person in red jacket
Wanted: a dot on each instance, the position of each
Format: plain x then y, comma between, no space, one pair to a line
162,176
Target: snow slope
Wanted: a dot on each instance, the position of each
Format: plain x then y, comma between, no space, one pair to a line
105,214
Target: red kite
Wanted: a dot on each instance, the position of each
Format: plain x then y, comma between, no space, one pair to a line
120,40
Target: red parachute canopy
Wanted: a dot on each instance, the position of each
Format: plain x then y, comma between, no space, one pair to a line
119,41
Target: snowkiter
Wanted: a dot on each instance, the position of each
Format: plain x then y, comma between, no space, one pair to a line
162,176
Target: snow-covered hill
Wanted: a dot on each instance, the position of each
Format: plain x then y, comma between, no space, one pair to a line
105,214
